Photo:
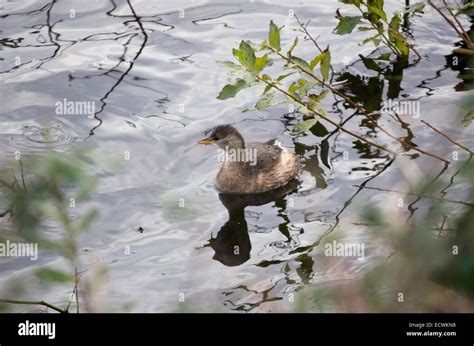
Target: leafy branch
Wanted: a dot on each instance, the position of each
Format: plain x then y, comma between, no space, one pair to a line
373,18
305,94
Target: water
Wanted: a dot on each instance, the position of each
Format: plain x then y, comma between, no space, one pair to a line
155,95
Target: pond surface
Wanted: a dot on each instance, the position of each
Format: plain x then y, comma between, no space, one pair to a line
155,95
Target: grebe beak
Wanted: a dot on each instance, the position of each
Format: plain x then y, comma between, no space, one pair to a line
206,141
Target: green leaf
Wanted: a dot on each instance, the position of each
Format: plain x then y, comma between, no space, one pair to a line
384,56
307,86
316,60
250,79
293,88
239,56
230,90
295,42
365,28
236,72
305,126
370,64
229,64
325,59
274,36
416,7
376,7
346,25
399,42
374,39
280,78
248,110
302,64
395,22
54,275
326,64
302,85
248,55
267,89
260,63
265,101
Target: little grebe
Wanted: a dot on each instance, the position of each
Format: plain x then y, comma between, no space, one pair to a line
250,167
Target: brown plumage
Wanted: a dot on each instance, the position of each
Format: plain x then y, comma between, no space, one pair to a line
260,167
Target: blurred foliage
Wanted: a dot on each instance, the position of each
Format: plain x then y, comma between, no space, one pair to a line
458,271
467,108
56,185
49,189
433,262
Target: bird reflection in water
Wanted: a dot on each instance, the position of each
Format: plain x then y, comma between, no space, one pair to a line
232,243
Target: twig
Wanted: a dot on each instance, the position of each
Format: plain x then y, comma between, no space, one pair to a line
304,30
441,228
417,194
410,225
445,17
28,302
450,22
75,291
447,137
464,51
464,33
22,175
418,55
444,191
